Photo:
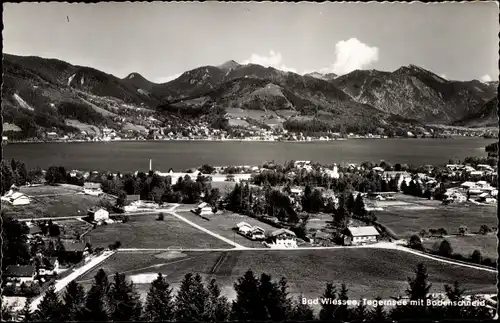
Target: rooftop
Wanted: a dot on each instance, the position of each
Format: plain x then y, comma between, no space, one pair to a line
282,231
20,271
363,231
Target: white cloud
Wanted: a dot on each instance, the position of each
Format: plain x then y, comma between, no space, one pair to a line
273,60
350,55
485,78
169,78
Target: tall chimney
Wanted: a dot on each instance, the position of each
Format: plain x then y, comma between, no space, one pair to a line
150,165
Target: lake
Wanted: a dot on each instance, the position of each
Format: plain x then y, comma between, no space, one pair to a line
129,156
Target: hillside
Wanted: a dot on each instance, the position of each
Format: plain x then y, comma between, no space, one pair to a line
268,96
414,92
41,95
487,116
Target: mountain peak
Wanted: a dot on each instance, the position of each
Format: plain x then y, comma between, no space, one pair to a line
322,76
229,65
134,75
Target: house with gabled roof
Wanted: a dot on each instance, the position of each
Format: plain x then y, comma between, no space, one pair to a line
283,238
360,235
20,274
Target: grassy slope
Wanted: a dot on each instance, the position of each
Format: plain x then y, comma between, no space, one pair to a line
487,244
406,222
144,231
368,273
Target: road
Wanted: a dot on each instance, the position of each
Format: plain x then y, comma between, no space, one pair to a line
61,284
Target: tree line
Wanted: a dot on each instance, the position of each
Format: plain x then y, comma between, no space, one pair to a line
257,299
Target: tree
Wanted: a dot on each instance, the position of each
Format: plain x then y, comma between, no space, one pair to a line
360,312
340,216
454,294
275,298
418,289
95,305
301,311
445,249
74,301
213,197
378,314
476,256
327,312
55,175
484,229
415,242
248,305
50,308
404,187
350,202
342,312
207,169
217,307
122,198
15,249
190,299
54,230
123,300
159,301
60,251
359,206
96,301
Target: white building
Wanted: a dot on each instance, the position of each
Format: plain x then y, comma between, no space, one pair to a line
360,235
99,215
283,238
203,209
93,189
14,197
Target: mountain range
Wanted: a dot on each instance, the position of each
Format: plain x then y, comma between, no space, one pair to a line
40,95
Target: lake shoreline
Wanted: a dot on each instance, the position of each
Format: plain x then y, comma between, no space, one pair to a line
126,156
233,140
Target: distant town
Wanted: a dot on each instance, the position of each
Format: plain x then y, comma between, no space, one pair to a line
204,132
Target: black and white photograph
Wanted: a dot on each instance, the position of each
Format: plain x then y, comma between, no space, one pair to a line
249,161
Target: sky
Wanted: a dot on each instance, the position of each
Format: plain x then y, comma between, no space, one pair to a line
161,40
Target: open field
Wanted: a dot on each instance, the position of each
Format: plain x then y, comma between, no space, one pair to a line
52,201
367,272
450,217
43,190
487,244
144,231
223,224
